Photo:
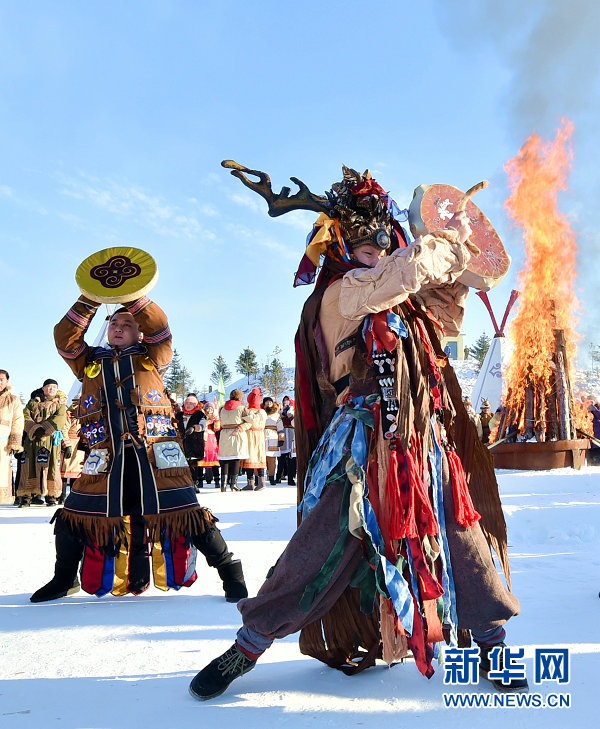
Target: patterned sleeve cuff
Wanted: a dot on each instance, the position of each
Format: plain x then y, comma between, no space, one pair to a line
14,441
134,307
82,312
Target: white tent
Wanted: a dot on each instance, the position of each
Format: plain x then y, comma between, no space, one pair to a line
489,382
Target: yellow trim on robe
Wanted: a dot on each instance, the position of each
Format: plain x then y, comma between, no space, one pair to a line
122,562
159,568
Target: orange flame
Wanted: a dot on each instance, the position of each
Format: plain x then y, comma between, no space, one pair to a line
546,283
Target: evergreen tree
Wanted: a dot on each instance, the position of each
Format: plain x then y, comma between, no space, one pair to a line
274,380
480,348
246,363
220,368
178,378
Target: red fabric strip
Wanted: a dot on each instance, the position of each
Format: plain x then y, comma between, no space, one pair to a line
464,511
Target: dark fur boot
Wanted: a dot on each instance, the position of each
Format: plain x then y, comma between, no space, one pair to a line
69,552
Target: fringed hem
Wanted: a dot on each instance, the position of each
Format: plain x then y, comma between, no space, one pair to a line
93,530
111,531
186,522
345,638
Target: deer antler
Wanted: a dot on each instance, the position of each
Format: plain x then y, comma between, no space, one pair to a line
281,203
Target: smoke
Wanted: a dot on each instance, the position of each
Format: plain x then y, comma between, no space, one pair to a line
550,53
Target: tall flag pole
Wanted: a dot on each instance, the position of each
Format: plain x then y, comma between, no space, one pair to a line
221,391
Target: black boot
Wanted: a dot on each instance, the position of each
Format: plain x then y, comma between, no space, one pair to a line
515,685
250,485
260,483
69,552
24,501
37,500
233,483
234,585
216,677
214,548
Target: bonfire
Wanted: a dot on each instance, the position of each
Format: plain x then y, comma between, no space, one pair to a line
538,400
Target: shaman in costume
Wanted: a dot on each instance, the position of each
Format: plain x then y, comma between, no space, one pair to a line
11,434
400,504
135,498
45,417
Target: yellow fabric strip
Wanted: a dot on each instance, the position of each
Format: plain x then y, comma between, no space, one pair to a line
122,562
159,568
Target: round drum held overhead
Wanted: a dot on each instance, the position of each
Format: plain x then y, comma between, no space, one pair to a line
117,275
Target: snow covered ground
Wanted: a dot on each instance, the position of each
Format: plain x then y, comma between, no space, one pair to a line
88,663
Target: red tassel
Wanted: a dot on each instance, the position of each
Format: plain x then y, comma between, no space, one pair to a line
400,506
464,511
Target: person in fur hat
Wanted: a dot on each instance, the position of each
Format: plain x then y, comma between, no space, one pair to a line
133,510
45,417
256,462
11,434
390,558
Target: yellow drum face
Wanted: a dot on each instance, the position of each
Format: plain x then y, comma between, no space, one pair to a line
117,275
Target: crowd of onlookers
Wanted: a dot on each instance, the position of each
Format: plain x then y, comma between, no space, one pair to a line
255,438
42,450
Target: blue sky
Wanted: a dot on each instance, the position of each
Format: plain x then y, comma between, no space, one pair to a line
115,117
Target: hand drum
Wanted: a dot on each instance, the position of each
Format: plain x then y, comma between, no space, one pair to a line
117,275
432,207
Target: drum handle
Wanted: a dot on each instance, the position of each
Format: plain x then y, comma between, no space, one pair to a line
469,194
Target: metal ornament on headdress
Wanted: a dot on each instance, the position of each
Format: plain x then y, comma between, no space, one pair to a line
432,207
117,275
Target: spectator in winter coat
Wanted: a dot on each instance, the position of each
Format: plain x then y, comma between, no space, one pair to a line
11,434
192,424
209,464
287,460
256,462
594,410
45,417
274,436
233,444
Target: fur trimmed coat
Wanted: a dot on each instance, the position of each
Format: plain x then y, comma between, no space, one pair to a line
11,434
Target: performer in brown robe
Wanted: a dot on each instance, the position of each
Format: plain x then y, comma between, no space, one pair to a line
135,498
391,555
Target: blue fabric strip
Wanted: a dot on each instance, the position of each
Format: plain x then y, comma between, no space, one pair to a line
450,616
108,576
166,545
